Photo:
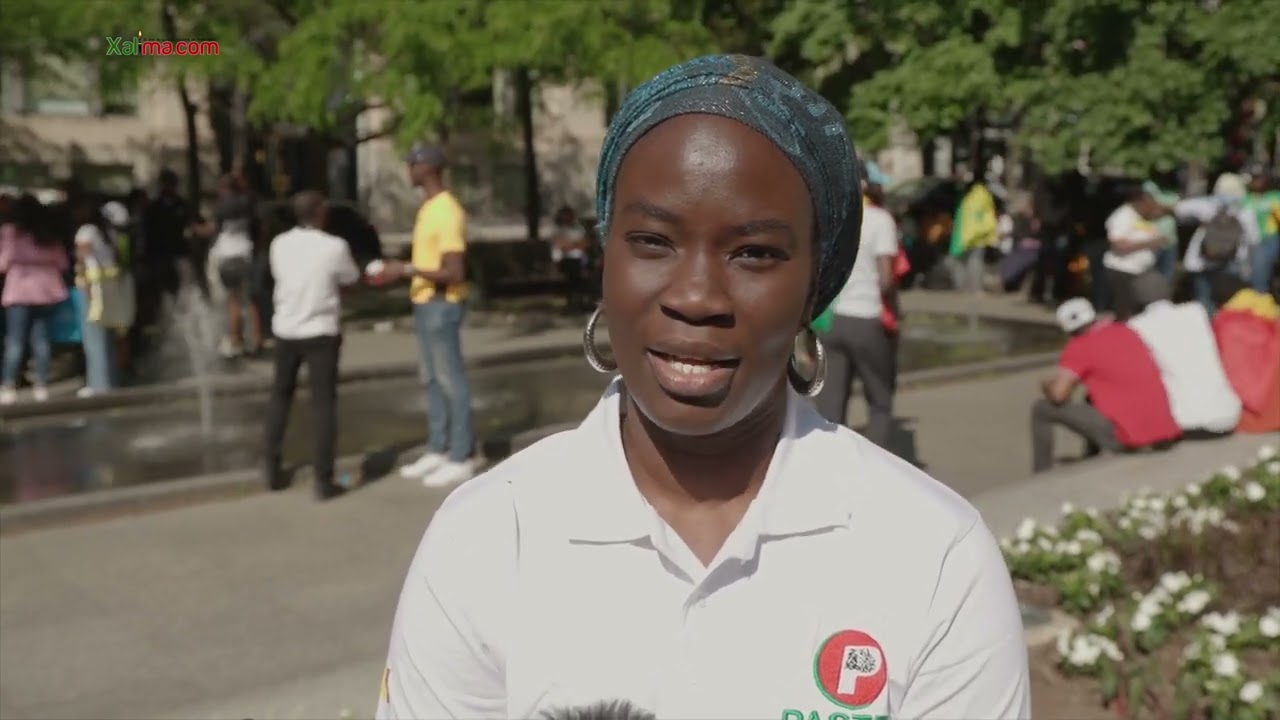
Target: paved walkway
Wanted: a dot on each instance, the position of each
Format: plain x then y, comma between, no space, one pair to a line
276,607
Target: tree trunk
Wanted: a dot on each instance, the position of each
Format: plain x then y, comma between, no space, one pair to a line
220,121
239,129
189,112
532,194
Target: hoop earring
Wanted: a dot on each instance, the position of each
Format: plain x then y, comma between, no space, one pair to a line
812,386
597,361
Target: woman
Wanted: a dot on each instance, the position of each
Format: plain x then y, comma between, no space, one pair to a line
230,264
569,247
96,265
33,262
715,549
859,343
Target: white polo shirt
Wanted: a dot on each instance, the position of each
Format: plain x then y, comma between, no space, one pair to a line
854,587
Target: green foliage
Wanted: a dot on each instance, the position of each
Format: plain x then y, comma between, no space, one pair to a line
1138,85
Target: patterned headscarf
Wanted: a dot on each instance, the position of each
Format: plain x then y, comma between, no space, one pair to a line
799,121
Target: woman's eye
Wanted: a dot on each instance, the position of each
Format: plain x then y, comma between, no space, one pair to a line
648,242
760,254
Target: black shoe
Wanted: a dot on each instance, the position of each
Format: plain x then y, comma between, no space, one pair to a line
277,481
328,491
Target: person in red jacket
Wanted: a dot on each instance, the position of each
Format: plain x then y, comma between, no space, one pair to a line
1249,344
1128,407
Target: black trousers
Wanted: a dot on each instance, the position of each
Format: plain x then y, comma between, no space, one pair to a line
1133,292
1080,418
321,356
861,347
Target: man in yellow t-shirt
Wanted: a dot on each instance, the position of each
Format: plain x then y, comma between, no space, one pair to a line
438,290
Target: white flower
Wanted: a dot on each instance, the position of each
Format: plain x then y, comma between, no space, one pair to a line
1104,561
1088,535
1173,582
1050,530
1126,523
1149,532
1068,508
1266,452
1273,467
1141,621
1179,501
1104,616
1109,648
1226,665
1251,692
1230,472
1064,642
1191,651
1269,625
1084,652
1022,548
1006,544
1225,624
1026,529
1254,492
1091,512
1139,503
1072,548
1193,489
1044,544
1194,602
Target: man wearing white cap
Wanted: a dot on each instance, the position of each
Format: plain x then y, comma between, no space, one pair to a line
1127,407
1227,234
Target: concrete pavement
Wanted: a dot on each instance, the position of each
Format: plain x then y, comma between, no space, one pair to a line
275,607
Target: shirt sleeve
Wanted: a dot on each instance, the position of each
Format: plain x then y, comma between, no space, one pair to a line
1197,209
453,230
1074,358
347,273
884,239
446,657
974,663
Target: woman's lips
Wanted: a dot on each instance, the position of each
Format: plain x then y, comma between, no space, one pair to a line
691,377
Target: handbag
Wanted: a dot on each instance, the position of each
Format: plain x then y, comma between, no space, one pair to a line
888,315
65,322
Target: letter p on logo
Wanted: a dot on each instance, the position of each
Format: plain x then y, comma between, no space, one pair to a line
850,668
859,661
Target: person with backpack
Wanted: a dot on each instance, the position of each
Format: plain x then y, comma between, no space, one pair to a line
1228,232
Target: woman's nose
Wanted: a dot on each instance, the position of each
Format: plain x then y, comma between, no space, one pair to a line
698,291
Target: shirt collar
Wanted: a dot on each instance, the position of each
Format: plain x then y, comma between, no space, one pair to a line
803,491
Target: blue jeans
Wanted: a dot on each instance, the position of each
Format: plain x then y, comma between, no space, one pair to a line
1167,261
1263,263
98,342
438,324
23,323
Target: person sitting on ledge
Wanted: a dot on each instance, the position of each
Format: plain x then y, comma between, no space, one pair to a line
1127,407
705,544
1247,329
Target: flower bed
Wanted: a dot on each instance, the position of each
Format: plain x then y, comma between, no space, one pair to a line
1177,598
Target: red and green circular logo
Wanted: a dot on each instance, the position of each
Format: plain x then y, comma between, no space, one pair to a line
850,669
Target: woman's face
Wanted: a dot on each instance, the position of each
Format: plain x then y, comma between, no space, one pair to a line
707,272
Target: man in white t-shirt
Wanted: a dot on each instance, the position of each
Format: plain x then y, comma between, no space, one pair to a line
858,343
310,267
1181,339
1130,260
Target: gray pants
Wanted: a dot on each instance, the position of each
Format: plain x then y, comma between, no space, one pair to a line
862,347
1081,418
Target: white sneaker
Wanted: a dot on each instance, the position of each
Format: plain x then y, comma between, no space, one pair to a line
423,466
86,392
8,396
449,474
40,393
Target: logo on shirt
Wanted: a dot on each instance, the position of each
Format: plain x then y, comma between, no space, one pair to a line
850,669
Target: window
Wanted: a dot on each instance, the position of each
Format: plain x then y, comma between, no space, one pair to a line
118,87
55,87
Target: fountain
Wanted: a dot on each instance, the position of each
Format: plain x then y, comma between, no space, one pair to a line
200,335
